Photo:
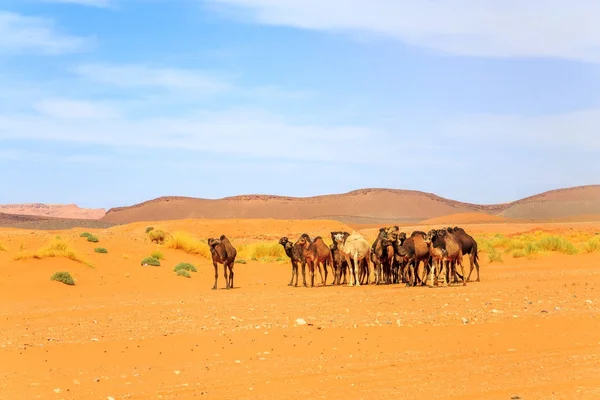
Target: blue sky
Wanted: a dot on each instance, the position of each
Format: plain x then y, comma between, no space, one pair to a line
111,102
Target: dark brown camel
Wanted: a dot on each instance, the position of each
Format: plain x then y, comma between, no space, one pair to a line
448,242
469,246
315,254
222,252
296,254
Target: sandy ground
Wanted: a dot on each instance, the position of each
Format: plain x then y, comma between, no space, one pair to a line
529,329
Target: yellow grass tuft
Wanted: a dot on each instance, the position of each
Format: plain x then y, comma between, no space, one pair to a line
2,247
592,245
262,251
183,241
56,248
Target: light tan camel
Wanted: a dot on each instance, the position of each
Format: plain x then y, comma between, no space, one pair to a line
354,247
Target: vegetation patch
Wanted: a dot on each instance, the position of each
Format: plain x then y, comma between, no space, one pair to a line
2,247
184,266
592,245
189,244
101,250
151,261
158,255
64,277
150,228
265,252
157,236
56,248
183,272
240,261
85,234
92,239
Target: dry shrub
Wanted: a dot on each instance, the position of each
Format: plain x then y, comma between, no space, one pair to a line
157,236
56,248
269,251
592,245
2,247
183,241
64,277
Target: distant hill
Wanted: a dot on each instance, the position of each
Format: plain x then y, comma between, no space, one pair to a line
70,211
363,206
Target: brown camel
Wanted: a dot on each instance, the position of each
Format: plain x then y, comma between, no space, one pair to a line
438,258
296,254
382,254
414,250
469,246
447,241
340,265
223,252
315,254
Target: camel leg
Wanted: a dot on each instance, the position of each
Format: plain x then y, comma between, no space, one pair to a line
351,269
231,274
432,274
296,272
216,275
292,278
356,264
319,265
304,273
225,275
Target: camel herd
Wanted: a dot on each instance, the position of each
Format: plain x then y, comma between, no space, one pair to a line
392,258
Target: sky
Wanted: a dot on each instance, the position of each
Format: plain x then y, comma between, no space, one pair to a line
108,103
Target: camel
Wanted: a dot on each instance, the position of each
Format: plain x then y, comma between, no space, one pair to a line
469,246
382,254
414,250
447,241
315,254
353,246
438,258
296,254
222,252
339,264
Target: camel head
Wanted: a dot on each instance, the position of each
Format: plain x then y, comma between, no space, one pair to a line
213,242
391,232
401,237
306,237
283,241
340,237
304,241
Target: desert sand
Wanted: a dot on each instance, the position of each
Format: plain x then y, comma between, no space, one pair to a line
529,329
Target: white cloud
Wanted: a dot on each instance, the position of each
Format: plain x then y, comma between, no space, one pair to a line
129,76
250,133
19,33
74,109
491,28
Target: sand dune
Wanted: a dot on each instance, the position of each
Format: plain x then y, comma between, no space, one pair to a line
466,218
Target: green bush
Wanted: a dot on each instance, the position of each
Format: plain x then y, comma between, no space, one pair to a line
92,239
240,261
183,272
85,234
101,250
64,277
185,267
151,261
150,228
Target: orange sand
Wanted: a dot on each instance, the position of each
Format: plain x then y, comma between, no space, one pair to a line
131,332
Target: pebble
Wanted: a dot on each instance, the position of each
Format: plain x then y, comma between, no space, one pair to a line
465,321
176,372
589,302
300,321
57,390
110,398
